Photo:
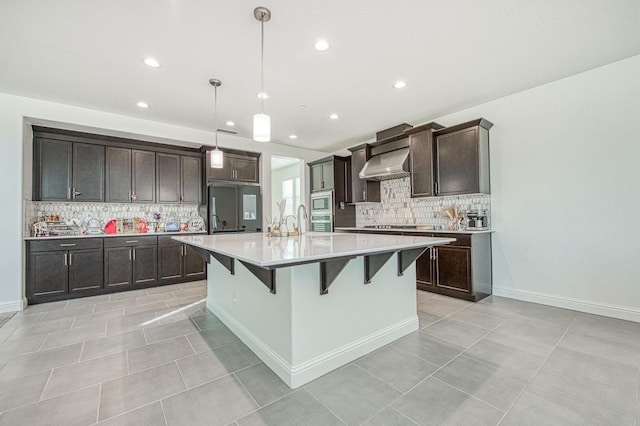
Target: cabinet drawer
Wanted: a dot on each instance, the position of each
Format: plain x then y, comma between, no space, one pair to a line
131,241
66,244
166,240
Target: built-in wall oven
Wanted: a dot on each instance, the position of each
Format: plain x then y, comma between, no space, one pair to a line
322,211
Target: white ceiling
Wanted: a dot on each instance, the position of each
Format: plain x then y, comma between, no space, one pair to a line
454,54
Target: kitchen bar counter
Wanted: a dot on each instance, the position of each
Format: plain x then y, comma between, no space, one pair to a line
330,298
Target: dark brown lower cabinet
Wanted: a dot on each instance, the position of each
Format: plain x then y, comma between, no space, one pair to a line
65,268
178,262
57,268
460,269
130,261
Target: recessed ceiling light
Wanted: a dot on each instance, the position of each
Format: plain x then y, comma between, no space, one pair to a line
152,62
230,123
262,95
143,104
400,84
293,136
321,45
334,116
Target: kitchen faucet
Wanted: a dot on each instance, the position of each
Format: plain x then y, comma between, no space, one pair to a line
214,225
304,209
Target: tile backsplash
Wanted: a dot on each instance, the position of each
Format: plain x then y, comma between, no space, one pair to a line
104,212
398,208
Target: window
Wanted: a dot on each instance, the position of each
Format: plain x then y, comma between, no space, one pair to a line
291,193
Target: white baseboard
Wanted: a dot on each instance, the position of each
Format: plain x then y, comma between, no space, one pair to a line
597,308
13,305
298,375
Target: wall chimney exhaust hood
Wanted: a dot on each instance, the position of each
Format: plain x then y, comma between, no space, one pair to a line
390,165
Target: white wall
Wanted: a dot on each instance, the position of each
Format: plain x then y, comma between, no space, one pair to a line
565,178
17,113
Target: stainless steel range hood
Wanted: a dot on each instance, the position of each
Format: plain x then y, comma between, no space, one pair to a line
390,165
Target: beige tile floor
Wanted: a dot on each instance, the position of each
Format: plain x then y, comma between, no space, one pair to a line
157,357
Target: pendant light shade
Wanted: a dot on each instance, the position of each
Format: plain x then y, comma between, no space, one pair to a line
217,156
217,159
261,128
262,122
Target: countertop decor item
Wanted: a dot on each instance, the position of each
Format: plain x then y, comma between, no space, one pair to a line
456,217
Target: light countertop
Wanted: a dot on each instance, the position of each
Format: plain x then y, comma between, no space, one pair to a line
422,231
264,251
136,234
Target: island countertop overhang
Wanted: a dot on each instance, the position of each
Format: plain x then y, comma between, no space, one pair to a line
273,252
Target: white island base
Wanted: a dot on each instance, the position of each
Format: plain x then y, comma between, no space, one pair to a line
302,335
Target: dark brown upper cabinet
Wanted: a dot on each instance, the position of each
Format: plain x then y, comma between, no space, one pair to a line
68,171
362,190
131,175
238,166
179,178
332,173
462,159
421,159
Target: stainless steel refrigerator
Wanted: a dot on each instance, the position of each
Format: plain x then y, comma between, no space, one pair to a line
234,208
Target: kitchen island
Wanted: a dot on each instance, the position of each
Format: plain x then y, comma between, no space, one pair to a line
311,303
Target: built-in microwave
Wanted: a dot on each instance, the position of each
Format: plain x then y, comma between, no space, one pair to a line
322,202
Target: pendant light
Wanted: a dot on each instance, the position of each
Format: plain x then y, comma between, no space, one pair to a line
216,154
262,122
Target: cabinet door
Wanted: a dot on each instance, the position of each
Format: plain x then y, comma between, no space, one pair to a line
246,169
194,266
454,268
168,173
118,170
85,269
145,265
143,176
48,273
118,268
190,179
170,262
88,172
316,177
327,175
421,145
458,162
53,170
225,173
358,158
425,270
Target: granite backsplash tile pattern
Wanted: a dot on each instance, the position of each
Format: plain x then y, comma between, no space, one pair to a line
104,212
398,208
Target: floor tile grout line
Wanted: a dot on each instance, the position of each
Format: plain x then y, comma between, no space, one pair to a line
184,382
253,398
502,410
321,403
99,398
515,400
45,386
164,415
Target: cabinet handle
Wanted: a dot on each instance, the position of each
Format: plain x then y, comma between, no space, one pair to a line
134,254
70,259
68,193
130,254
131,241
364,194
435,253
67,245
65,260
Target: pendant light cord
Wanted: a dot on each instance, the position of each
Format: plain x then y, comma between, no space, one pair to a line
215,107
262,94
